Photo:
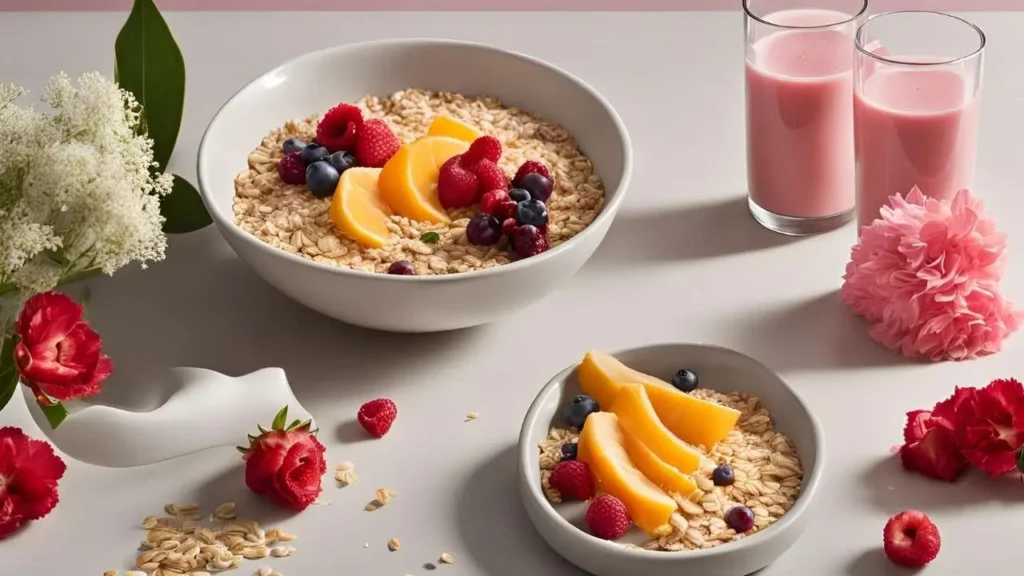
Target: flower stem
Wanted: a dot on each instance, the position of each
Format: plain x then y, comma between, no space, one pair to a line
80,275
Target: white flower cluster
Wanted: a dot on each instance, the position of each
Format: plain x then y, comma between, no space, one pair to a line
79,191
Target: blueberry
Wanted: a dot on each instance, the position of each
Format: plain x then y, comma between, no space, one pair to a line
577,411
483,230
293,145
532,212
740,519
313,153
569,451
537,185
723,475
519,195
401,268
321,179
342,161
685,380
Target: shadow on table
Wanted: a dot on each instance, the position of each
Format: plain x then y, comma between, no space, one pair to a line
685,233
229,486
874,563
495,527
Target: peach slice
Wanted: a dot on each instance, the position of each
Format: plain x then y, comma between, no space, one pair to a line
408,181
691,419
601,447
357,210
448,126
657,470
639,420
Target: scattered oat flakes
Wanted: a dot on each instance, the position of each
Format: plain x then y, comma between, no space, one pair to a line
110,573
282,551
346,465
225,511
384,495
366,545
446,558
472,416
394,544
345,477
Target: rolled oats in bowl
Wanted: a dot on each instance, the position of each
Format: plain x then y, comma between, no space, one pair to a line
417,182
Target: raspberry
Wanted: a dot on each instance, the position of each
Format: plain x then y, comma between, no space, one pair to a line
376,416
490,200
483,148
491,176
375,144
505,209
572,480
607,517
292,169
910,539
529,240
456,186
508,226
528,167
339,128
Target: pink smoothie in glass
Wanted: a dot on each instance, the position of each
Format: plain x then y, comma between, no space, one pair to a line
915,127
800,158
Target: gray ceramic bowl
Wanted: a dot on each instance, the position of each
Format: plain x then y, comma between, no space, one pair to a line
723,370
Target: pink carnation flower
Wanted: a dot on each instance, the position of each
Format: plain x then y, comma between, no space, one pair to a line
926,278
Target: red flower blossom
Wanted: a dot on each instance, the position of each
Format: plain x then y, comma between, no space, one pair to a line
930,441
990,426
59,355
29,472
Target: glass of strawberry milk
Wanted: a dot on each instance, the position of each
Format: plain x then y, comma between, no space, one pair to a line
799,96
917,93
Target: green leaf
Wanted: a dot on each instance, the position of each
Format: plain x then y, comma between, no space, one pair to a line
55,413
280,419
430,237
148,63
183,209
8,371
1020,456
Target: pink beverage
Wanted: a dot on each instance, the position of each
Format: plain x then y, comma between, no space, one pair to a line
915,127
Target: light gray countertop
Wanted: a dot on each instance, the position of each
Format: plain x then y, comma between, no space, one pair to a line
683,261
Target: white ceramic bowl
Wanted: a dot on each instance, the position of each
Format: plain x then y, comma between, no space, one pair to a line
319,80
720,369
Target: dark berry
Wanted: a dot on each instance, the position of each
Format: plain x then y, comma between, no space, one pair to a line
528,241
342,161
740,519
508,227
569,451
723,475
537,185
483,230
401,268
685,380
293,145
291,169
532,212
313,153
519,195
321,179
577,411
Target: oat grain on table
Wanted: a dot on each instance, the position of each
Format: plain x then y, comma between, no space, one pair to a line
289,217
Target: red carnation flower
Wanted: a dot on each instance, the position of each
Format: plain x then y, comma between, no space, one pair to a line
58,354
990,425
285,465
29,473
930,441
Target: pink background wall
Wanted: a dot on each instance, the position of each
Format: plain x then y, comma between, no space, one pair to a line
876,5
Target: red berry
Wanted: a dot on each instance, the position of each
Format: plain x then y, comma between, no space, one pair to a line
456,186
292,169
339,127
491,176
572,480
490,200
531,167
376,416
528,241
910,539
607,517
509,226
484,147
505,209
375,144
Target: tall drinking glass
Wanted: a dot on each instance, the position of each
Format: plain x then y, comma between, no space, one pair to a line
799,90
917,94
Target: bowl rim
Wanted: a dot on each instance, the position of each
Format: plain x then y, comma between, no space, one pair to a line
608,211
527,452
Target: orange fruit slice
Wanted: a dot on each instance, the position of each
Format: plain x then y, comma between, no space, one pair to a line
357,209
657,470
408,181
691,419
452,128
601,447
639,420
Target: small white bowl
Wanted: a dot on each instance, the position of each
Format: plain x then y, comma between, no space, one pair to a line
314,82
723,370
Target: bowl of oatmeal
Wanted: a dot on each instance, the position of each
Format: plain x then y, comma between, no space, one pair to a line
415,185
669,459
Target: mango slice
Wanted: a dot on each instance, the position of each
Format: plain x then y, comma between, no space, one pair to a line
408,181
452,128
601,446
357,210
639,420
667,477
691,419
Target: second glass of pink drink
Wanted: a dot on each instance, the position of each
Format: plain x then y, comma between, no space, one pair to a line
799,100
917,94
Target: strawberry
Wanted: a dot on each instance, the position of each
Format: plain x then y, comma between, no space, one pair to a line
483,148
491,176
377,416
531,167
457,186
607,517
285,464
910,539
375,144
572,479
489,201
339,128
